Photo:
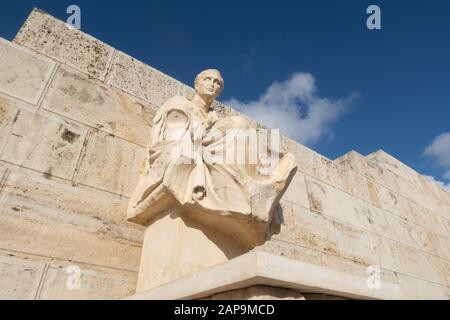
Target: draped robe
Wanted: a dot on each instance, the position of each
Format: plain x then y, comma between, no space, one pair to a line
188,164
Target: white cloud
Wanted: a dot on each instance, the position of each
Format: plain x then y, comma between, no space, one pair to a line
446,175
439,149
444,185
294,107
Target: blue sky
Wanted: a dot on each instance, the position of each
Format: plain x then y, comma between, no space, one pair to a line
368,89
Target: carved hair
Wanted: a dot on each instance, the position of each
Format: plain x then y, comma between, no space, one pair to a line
202,74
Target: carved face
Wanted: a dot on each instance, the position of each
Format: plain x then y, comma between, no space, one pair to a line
209,83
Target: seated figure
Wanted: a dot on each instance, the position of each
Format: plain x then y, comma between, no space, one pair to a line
221,171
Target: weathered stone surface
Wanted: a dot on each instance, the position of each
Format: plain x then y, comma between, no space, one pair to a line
123,75
95,283
375,172
343,207
418,181
354,244
19,278
58,202
420,289
344,179
74,96
308,161
139,79
394,165
446,223
44,143
413,262
24,74
296,191
45,34
287,229
314,231
9,109
382,253
292,251
26,231
110,164
425,218
442,269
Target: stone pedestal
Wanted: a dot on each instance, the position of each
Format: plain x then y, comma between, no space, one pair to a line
176,245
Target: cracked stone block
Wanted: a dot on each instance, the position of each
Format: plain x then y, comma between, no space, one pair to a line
94,283
111,164
76,97
44,143
123,75
156,86
54,38
24,74
314,231
19,278
58,202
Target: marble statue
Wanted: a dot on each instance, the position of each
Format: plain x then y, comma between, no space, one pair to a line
192,164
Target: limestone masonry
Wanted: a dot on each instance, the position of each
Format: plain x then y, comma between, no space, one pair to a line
75,119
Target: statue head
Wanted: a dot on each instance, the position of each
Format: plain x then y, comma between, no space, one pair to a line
209,84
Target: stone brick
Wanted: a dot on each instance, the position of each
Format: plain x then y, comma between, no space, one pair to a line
74,96
110,164
381,250
417,289
95,283
446,223
354,244
44,143
442,269
287,229
52,37
343,207
19,278
425,218
281,248
314,231
24,74
122,75
399,230
292,251
24,230
156,86
344,179
395,203
141,80
308,161
413,262
9,110
296,191
394,165
57,202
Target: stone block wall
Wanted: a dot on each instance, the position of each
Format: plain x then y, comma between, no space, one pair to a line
75,115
